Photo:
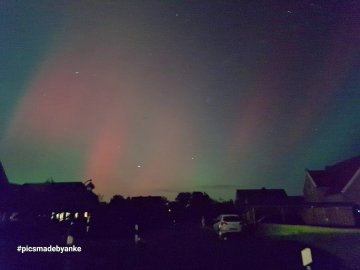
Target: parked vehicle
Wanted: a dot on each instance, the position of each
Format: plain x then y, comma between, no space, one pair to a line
230,223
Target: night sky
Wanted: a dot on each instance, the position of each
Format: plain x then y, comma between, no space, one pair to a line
158,97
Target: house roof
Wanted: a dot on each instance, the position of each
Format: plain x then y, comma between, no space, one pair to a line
58,196
336,176
3,177
260,196
49,196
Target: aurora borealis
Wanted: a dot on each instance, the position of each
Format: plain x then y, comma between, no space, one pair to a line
158,97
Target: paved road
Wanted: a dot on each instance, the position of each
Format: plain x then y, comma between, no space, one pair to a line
186,247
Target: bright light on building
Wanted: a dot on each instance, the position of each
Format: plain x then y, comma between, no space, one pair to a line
76,215
86,214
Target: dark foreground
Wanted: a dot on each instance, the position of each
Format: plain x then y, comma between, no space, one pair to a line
182,247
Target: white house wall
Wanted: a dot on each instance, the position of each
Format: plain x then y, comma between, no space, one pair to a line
352,192
309,189
313,193
329,216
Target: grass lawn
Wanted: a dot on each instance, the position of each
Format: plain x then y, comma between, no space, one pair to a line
341,242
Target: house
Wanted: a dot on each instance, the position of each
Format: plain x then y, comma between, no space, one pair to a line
56,201
258,204
4,182
333,194
260,197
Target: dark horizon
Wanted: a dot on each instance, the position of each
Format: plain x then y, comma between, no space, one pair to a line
147,98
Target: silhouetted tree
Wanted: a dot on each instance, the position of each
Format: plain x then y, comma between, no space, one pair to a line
117,199
192,206
224,207
183,199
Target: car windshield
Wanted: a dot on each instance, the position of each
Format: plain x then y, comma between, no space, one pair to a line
232,219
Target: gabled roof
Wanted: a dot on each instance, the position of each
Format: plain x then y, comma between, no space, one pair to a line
260,196
336,176
3,178
50,196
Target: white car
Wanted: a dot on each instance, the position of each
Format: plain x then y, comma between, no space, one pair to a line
230,223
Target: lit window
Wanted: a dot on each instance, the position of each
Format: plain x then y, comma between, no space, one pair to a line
76,215
86,214
67,215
